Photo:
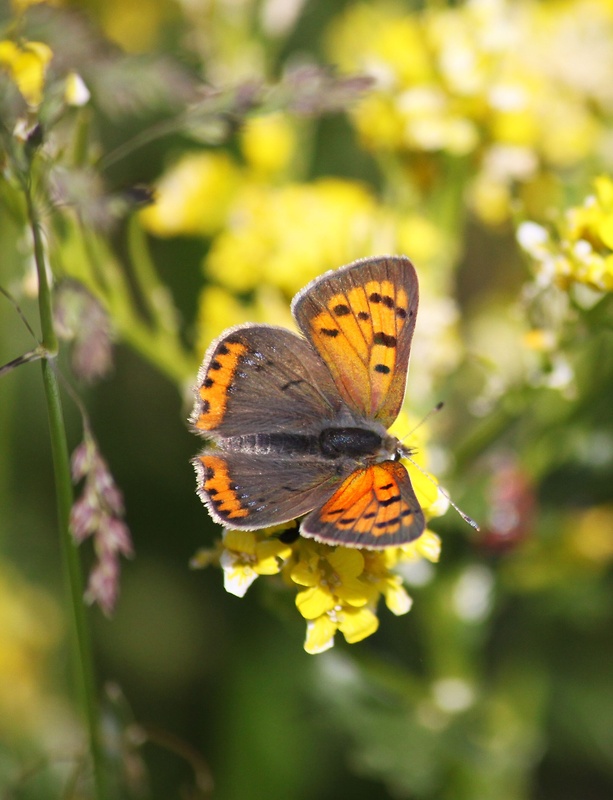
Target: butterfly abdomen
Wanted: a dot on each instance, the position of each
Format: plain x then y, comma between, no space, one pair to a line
264,444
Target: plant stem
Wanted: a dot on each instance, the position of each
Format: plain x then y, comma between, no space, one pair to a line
82,650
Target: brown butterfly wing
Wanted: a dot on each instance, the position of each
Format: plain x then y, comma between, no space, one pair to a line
262,379
374,507
360,319
249,491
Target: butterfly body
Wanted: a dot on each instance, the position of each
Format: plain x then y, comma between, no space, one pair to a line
299,424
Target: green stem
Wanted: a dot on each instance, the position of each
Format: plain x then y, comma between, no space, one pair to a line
45,305
82,650
155,296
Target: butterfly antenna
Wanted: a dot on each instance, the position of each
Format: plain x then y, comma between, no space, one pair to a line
406,453
430,414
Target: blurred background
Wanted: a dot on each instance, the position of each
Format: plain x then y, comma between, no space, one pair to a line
194,164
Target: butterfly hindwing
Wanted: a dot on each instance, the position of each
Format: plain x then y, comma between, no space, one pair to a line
360,319
262,378
374,507
243,490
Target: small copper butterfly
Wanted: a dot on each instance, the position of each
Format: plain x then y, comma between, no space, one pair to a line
299,423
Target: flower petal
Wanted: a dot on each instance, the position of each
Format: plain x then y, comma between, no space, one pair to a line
240,541
238,579
347,562
357,624
320,634
396,597
355,592
314,602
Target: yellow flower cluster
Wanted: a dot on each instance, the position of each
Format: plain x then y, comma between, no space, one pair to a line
523,86
339,588
581,250
269,237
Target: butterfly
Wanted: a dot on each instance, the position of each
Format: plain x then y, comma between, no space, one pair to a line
299,423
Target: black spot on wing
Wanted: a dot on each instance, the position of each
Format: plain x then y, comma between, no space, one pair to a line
385,339
388,501
389,524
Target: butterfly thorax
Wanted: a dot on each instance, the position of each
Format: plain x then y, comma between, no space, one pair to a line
364,445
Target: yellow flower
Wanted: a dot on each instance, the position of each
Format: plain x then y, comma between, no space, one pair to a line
248,554
378,573
581,250
320,634
354,623
419,236
389,45
480,77
137,27
286,236
344,586
337,598
332,575
428,546
194,195
27,64
268,143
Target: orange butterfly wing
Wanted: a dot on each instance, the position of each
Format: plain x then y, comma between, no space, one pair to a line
375,507
360,319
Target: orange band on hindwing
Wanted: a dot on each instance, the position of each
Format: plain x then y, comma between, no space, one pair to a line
369,503
213,391
220,491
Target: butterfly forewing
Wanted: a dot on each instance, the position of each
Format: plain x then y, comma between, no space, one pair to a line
373,508
360,319
262,379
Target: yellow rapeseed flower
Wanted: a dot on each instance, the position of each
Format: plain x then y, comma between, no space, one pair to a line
268,143
193,197
286,236
27,64
523,87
